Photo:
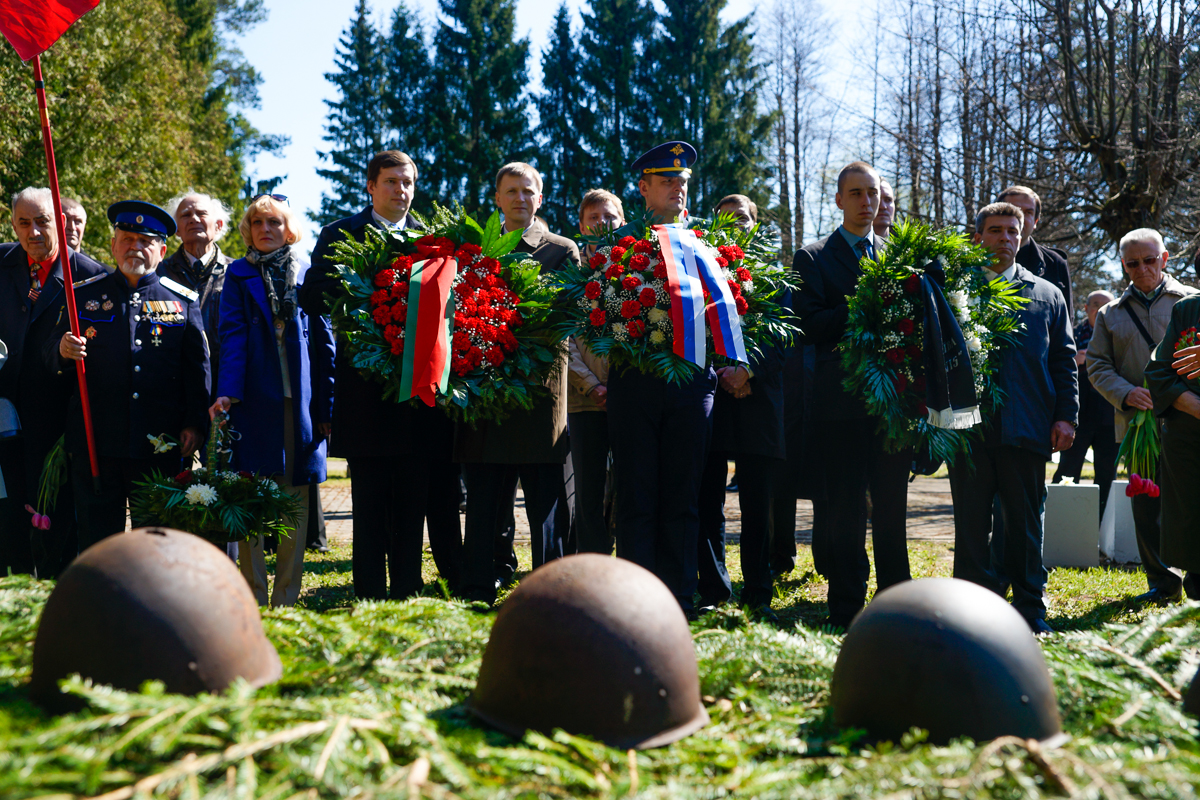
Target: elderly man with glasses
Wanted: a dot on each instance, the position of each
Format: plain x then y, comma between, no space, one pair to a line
1126,333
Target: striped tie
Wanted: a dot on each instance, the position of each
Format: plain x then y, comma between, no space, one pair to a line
35,284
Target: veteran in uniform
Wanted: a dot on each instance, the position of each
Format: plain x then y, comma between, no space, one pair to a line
659,431
147,368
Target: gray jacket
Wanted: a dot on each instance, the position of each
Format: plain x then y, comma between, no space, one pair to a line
1118,353
1038,375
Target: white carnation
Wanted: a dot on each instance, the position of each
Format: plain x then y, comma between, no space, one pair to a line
201,494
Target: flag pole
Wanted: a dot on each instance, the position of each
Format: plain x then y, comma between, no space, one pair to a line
64,258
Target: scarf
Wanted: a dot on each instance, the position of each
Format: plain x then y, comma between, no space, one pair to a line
278,269
199,270
949,379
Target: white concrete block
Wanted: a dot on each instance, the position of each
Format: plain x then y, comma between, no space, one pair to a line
1072,525
1118,540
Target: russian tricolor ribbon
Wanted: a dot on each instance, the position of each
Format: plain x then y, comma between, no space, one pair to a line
425,370
692,269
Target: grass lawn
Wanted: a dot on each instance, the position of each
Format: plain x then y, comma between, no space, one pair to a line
371,706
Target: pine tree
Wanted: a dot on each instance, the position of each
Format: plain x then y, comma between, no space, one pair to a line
563,114
616,69
406,65
477,87
708,85
354,126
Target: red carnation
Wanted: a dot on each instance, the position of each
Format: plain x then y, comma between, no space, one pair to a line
635,328
381,315
699,233
913,351
631,282
472,280
476,356
742,305
722,262
639,261
489,265
597,261
912,284
463,290
731,251
461,340
735,288
900,382
245,475
660,270
492,282
612,272
402,264
631,309
596,317
627,242
895,355
399,289
647,296
495,356
385,277
392,332
184,476
616,253
400,312
397,346
460,319
592,290
743,274
514,319
906,327
643,246
378,297
507,340
460,366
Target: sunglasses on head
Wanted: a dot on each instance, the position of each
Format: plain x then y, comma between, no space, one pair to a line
282,198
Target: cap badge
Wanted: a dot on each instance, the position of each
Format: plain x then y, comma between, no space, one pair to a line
677,150
108,304
90,333
139,219
677,162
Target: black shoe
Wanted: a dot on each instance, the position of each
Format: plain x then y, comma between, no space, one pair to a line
835,625
316,548
1039,627
1191,585
762,613
1158,597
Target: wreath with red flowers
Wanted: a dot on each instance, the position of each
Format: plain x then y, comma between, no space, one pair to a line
619,303
504,340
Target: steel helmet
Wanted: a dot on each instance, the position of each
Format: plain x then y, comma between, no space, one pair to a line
947,656
152,604
597,646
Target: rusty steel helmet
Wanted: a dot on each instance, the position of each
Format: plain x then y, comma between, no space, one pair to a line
152,604
947,656
597,646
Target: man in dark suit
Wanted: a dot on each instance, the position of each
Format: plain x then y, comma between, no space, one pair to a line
401,472
528,445
32,302
848,441
147,357
1049,263
1038,379
659,431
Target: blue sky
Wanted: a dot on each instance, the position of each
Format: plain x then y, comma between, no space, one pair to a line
294,49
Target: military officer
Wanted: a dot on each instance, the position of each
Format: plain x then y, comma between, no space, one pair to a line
147,367
659,431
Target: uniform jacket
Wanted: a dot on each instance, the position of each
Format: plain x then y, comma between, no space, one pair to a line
1117,354
537,436
253,375
828,271
147,365
365,425
1037,374
1049,263
39,393
209,298
585,371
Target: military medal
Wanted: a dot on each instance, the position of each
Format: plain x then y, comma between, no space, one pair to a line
92,305
108,304
155,331
90,332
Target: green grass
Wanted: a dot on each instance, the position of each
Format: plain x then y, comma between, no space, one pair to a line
371,705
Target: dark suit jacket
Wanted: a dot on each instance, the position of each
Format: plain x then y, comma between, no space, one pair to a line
537,436
40,394
175,268
1048,263
828,271
365,425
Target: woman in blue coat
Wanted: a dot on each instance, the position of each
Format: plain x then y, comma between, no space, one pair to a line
276,381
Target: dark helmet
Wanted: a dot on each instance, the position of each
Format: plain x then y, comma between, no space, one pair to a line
152,604
596,646
945,655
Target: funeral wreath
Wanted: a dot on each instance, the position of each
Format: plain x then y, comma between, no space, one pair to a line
668,299
448,315
924,336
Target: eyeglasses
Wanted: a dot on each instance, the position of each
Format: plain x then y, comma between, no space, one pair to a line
1149,262
282,198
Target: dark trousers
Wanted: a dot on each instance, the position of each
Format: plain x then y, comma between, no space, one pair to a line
756,477
783,515
15,522
1102,439
393,499
102,515
490,492
856,461
1147,517
1018,476
55,549
659,433
589,455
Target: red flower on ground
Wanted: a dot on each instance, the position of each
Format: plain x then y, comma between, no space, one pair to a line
906,327
596,317
647,295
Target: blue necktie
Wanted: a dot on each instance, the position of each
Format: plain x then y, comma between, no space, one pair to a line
865,249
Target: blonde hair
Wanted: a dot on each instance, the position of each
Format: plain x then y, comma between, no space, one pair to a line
269,205
519,169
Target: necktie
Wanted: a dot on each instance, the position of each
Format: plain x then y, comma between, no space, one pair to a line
35,284
865,249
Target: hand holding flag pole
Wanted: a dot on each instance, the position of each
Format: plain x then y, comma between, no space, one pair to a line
32,29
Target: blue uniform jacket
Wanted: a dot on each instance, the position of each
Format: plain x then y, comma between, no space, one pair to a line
1038,374
250,372
147,365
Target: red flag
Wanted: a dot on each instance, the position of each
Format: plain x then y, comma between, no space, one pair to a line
31,26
